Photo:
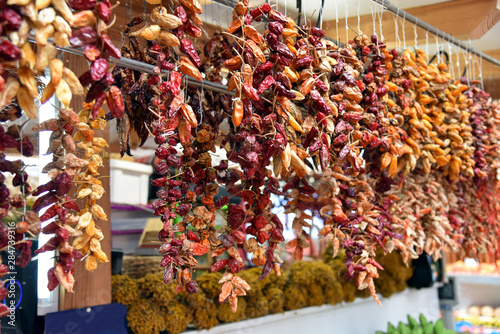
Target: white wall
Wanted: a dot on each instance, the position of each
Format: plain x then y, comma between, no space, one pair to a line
362,316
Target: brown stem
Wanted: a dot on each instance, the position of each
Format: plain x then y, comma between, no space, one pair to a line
16,243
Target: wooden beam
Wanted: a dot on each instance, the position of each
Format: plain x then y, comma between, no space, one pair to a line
489,22
91,288
455,17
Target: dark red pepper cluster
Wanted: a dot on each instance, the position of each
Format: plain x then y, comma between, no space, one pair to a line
14,238
188,189
11,20
12,204
97,48
10,53
188,12
12,139
476,209
482,122
53,198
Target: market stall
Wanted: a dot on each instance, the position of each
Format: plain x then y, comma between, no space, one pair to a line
219,165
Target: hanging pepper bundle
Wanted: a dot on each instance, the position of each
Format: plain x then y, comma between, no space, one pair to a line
481,232
367,119
313,109
171,113
56,24
90,187
66,170
161,31
363,116
48,20
86,26
368,140
13,203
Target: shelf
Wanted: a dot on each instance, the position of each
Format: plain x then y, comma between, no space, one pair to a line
341,318
477,279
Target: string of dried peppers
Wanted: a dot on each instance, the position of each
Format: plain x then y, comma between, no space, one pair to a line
368,139
59,23
371,141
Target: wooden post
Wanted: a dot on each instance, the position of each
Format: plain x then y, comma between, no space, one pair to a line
91,288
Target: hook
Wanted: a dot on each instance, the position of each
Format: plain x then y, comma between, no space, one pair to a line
437,54
481,71
396,25
471,72
396,30
466,68
437,48
465,71
451,61
426,42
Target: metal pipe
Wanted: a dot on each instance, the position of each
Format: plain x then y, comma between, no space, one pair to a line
441,34
227,3
299,8
148,68
319,24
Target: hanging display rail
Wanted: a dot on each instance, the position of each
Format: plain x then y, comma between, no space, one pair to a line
439,33
148,68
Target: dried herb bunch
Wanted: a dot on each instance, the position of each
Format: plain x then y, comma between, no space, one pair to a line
303,284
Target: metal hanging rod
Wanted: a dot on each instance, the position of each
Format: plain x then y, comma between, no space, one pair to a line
319,24
148,68
426,26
